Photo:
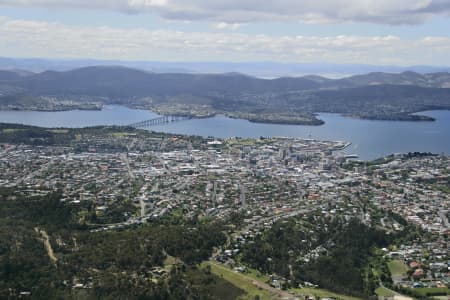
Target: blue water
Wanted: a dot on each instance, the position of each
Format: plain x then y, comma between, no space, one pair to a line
110,115
370,139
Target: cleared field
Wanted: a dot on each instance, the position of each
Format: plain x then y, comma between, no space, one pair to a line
253,284
61,131
322,293
397,267
216,287
433,291
12,130
241,281
384,292
257,275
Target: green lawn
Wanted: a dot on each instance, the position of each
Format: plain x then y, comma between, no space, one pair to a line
322,293
384,292
397,267
241,281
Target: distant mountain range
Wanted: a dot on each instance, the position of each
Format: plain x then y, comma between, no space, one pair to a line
377,95
258,69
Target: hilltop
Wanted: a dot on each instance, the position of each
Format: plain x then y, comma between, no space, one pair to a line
296,100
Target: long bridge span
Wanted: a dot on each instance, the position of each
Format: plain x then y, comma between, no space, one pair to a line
159,121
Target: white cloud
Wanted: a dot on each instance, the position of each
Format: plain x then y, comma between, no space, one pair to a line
137,4
223,25
244,11
25,38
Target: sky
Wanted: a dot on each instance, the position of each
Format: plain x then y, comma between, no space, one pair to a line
377,32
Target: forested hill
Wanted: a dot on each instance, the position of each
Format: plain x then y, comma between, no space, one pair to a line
100,79
284,100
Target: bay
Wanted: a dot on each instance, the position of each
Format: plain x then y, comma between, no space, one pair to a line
370,139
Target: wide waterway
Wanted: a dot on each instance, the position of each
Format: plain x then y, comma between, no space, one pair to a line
370,139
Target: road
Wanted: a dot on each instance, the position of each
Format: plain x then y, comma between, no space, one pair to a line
131,176
127,163
47,245
142,197
443,216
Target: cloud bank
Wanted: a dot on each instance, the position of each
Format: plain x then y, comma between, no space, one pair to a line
26,38
245,11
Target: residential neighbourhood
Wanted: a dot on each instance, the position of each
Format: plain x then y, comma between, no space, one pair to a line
125,180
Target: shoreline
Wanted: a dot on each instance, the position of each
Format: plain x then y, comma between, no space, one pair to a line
411,117
4,127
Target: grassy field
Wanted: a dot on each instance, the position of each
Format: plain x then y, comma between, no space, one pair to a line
322,293
433,291
241,281
257,275
11,130
397,267
215,287
60,131
245,282
384,292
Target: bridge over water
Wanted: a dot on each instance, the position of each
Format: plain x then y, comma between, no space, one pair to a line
159,121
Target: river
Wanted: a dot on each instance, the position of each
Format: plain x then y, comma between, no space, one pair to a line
370,139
